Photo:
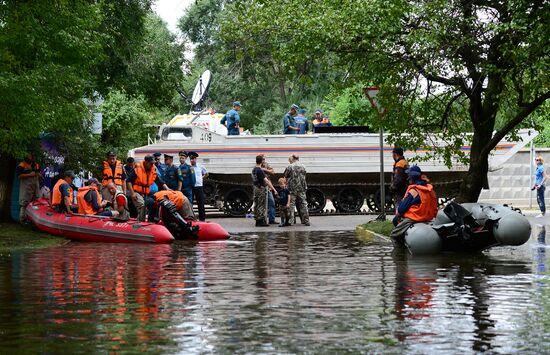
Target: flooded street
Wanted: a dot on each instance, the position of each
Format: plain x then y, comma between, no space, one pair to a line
275,293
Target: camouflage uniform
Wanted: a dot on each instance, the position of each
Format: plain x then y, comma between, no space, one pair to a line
295,174
260,195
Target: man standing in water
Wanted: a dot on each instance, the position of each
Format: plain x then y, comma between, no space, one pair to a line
295,174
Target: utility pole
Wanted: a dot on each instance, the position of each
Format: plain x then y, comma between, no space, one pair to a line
371,94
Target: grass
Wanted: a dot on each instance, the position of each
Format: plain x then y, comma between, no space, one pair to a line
380,227
14,237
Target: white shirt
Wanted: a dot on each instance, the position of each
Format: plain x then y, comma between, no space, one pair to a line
200,171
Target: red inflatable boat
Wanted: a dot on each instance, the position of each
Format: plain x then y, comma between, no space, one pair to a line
104,229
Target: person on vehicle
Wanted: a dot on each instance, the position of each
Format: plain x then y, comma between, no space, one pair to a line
540,179
418,205
171,173
198,192
139,185
284,203
399,177
301,122
89,200
113,171
289,124
232,120
261,185
62,194
160,167
295,174
271,211
28,173
129,166
177,198
119,207
186,175
321,120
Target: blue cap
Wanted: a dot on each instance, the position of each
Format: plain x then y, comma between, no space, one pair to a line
157,155
93,181
414,171
302,110
236,103
294,106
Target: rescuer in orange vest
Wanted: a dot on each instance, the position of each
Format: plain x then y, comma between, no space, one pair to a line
113,171
62,194
28,173
418,205
139,185
177,198
89,200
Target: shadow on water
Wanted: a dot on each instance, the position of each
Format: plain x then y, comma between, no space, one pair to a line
293,292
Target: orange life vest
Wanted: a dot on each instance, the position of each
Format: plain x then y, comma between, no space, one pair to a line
427,209
85,207
57,198
175,196
28,168
108,173
144,180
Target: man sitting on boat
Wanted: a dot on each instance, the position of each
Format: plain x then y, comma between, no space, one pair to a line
177,198
89,200
119,208
418,205
62,194
139,185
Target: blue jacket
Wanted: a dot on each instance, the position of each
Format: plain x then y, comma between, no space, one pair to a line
302,123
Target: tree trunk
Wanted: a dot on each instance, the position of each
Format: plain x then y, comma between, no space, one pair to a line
6,181
483,120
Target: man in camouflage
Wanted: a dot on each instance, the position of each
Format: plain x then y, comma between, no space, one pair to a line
295,174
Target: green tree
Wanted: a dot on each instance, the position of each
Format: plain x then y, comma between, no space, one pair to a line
443,67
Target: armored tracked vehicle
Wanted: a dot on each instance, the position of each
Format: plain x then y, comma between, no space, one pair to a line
342,167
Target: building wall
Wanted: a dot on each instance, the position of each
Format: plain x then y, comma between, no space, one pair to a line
512,183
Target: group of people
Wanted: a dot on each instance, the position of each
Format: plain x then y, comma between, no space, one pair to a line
132,187
294,121
290,194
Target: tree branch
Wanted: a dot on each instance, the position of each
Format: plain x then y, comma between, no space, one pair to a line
527,110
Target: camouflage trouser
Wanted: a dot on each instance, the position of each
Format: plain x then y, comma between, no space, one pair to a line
28,189
142,205
398,232
302,207
260,203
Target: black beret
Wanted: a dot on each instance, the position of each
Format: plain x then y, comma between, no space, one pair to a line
166,156
148,159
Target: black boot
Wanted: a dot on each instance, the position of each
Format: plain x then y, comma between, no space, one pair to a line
283,219
261,223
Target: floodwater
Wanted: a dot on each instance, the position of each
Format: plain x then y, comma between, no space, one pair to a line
275,293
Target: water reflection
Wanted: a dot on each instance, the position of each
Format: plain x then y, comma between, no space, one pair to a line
298,292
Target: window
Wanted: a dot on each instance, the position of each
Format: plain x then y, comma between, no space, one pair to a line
176,133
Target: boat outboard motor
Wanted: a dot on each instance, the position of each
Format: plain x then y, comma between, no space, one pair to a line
179,227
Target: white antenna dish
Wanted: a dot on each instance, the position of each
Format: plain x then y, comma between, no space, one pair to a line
201,89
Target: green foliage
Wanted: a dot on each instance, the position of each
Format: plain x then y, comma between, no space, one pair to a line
442,67
123,120
44,69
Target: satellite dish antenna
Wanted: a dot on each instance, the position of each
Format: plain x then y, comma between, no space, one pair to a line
201,89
